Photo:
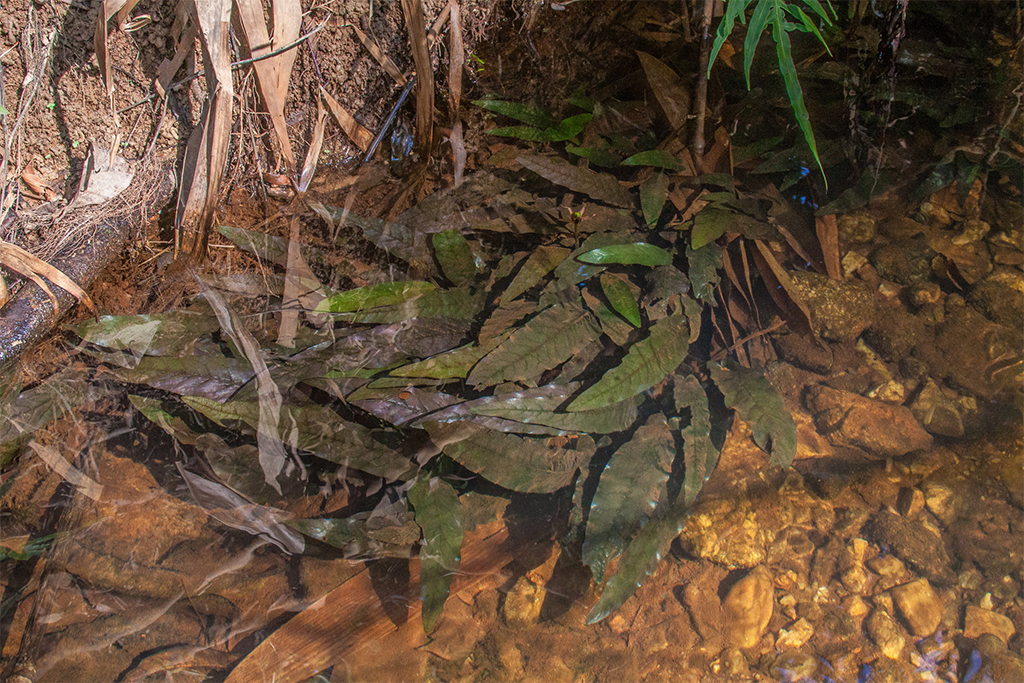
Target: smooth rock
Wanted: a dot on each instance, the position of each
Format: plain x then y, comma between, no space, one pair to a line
840,310
523,603
910,502
885,431
1000,296
1003,664
919,606
748,608
978,621
936,412
885,633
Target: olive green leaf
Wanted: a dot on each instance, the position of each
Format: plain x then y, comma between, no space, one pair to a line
457,304
622,295
455,257
373,296
439,514
215,377
600,186
648,362
638,254
541,262
160,334
658,158
704,265
709,225
653,193
699,454
548,340
632,483
533,408
316,429
520,463
757,402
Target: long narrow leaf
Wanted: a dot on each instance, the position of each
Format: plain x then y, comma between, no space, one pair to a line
439,514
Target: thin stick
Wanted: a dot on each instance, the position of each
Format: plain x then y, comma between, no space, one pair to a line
390,119
701,100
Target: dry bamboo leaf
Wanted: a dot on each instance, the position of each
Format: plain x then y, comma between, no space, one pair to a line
287,27
313,154
214,24
413,11
457,59
348,624
385,62
184,45
290,300
828,236
108,9
782,290
668,88
56,462
455,65
268,71
353,129
34,268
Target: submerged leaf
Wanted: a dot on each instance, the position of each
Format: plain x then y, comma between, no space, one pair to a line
439,514
525,464
457,304
527,113
455,257
648,362
537,406
658,158
637,254
653,193
215,377
631,485
757,402
704,266
599,186
640,559
548,340
383,294
542,261
699,454
163,334
709,225
622,295
316,429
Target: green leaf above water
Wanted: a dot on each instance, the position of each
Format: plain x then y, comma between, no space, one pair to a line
648,362
637,254
439,514
632,483
757,402
373,296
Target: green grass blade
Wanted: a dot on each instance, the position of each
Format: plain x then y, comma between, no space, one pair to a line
757,23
